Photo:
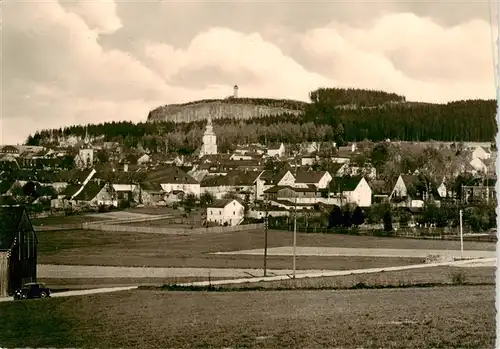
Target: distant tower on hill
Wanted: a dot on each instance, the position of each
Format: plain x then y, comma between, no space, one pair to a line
235,91
209,146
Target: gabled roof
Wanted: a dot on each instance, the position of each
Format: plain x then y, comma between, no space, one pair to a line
71,190
120,177
10,218
221,203
309,176
90,191
348,183
170,175
271,177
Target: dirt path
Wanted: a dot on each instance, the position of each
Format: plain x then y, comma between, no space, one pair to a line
83,271
362,252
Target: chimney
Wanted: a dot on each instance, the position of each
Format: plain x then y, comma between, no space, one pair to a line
125,167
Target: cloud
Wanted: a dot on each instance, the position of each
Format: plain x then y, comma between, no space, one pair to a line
99,15
269,72
407,54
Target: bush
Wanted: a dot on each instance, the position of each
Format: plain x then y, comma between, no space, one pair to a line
458,278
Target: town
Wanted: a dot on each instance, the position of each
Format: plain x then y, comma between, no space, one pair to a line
273,180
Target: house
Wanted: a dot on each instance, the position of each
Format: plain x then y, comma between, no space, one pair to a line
18,249
485,166
479,189
226,212
319,178
354,189
173,178
304,195
413,191
144,159
481,153
151,194
310,147
276,150
381,190
240,182
268,179
10,149
308,160
95,194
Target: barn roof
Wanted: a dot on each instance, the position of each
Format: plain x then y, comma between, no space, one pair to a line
10,218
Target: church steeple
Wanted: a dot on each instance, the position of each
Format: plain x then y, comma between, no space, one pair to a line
209,140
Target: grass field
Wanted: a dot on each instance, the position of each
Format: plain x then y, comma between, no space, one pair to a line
135,249
443,317
75,219
435,275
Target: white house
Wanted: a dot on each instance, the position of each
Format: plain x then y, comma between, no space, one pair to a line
355,190
276,150
144,159
480,153
230,212
484,165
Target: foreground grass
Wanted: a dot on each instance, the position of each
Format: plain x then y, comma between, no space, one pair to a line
138,249
446,317
402,278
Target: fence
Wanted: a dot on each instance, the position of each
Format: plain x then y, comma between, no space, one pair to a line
421,233
169,231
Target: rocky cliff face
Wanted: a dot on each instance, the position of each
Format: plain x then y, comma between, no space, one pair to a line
215,110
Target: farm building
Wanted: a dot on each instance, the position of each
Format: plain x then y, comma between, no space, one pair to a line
229,211
18,249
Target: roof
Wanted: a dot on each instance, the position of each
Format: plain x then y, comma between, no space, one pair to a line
231,178
151,187
170,175
309,176
71,190
90,191
277,188
348,183
221,203
120,177
10,218
274,146
9,148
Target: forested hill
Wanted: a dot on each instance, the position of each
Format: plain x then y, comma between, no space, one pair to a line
333,114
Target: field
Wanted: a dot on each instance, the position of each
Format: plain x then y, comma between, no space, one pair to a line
442,317
134,249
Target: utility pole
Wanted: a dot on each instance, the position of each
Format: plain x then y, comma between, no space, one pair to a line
461,236
266,225
294,235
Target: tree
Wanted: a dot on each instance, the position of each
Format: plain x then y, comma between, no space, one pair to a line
346,217
246,203
206,198
358,218
388,221
335,217
189,202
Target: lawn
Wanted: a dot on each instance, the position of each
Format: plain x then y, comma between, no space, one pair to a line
434,275
56,221
135,249
443,317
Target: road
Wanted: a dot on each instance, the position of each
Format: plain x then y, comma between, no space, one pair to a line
80,292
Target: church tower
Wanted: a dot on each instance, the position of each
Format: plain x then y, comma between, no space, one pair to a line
209,146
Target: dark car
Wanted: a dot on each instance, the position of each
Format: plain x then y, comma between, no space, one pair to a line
32,290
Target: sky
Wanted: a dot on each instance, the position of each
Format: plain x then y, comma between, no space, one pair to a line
79,62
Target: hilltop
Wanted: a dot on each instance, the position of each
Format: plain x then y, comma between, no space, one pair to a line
253,108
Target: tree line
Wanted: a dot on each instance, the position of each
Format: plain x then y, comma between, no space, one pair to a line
373,115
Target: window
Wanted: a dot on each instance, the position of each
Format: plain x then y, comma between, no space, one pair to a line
211,212
220,212
234,213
